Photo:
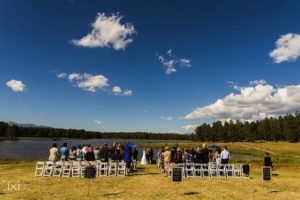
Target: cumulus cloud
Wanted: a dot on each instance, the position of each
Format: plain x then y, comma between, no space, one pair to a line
16,86
253,102
189,127
118,91
86,81
92,83
171,62
108,31
97,121
287,48
168,118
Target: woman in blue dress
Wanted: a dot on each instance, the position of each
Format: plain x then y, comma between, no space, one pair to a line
127,158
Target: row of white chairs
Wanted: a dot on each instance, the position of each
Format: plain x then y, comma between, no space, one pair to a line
77,168
210,170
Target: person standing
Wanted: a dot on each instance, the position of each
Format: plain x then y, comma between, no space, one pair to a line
90,156
204,154
96,153
127,158
225,156
135,153
104,151
167,158
268,160
53,153
217,156
64,152
144,159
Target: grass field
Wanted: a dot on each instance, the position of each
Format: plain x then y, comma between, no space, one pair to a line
148,183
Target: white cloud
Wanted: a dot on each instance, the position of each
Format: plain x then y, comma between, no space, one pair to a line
127,93
61,75
258,82
117,90
16,86
86,81
75,76
253,102
92,83
189,127
287,48
168,118
108,32
97,121
171,62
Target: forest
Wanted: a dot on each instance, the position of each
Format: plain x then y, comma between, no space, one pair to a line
283,128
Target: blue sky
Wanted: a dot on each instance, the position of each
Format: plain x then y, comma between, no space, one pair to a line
216,47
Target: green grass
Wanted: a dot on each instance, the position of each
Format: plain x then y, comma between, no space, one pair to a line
149,184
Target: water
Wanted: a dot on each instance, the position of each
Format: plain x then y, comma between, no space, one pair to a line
39,149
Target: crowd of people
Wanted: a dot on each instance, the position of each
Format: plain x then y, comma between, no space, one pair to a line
166,156
86,152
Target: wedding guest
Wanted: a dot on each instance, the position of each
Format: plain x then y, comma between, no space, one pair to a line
64,152
225,156
53,153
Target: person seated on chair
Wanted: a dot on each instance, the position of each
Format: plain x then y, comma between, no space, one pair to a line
267,160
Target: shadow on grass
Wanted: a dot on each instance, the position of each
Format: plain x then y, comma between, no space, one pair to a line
143,174
190,193
274,191
113,193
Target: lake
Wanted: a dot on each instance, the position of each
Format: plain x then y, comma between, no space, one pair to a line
39,149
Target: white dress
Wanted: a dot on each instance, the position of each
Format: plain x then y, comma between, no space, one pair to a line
144,160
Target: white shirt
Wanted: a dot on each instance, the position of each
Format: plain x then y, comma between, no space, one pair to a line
225,154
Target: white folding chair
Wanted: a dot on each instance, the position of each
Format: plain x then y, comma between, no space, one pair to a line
84,164
103,169
67,169
93,163
112,169
197,170
58,167
205,170
213,170
39,168
48,169
229,170
221,171
238,170
121,168
76,169
189,170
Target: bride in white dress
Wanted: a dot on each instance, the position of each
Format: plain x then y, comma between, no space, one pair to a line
144,160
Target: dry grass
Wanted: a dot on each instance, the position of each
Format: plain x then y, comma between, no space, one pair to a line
148,183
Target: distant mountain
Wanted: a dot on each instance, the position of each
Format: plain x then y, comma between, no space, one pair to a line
27,125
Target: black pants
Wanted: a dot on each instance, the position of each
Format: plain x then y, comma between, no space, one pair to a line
224,161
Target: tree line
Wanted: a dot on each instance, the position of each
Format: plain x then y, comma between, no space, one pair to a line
283,128
13,132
